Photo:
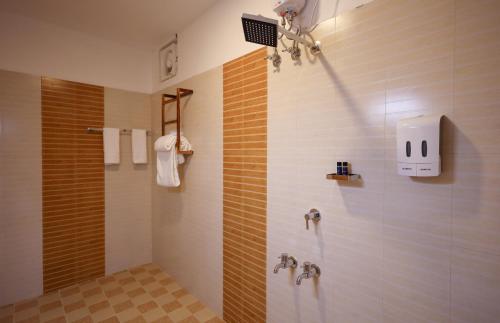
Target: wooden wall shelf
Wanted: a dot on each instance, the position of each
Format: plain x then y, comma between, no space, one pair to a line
170,98
348,178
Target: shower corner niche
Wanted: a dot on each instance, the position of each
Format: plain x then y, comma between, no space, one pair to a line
170,98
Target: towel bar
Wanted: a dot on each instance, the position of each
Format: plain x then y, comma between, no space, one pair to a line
122,131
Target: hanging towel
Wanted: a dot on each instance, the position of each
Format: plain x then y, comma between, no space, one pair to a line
139,149
167,159
111,138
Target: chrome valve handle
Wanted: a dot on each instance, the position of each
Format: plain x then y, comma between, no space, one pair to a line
313,215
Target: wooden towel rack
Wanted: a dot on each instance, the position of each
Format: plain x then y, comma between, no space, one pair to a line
167,99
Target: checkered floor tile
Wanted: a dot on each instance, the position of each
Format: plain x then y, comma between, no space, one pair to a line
142,294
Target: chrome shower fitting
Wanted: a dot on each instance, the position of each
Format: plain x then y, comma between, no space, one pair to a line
286,262
266,31
275,58
310,271
313,215
294,52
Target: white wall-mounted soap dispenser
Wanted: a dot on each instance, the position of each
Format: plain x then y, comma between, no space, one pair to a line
418,146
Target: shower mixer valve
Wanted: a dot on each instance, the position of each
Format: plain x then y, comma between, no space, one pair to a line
286,262
313,215
310,271
275,58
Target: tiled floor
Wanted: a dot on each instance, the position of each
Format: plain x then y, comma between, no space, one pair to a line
142,294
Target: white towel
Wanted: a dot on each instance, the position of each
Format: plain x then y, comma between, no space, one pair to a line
167,159
139,149
111,138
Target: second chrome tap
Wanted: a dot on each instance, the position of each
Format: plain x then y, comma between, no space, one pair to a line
310,271
286,262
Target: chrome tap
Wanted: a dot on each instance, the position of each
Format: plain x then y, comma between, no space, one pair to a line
286,262
313,215
310,271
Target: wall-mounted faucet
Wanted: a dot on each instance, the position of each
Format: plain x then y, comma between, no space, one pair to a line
313,215
286,262
310,271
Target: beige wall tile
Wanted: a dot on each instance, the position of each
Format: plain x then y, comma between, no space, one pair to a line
475,286
187,221
127,186
20,188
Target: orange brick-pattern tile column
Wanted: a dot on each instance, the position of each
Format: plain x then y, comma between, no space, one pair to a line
245,188
73,183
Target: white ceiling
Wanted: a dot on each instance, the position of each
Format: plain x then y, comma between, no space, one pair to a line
139,23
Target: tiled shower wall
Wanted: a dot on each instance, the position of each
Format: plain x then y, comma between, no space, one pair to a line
391,248
187,221
72,183
20,187
127,185
245,188
128,220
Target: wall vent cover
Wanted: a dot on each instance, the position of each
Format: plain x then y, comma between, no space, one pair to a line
168,60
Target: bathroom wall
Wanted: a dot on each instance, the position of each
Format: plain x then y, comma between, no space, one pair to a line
187,221
20,187
127,186
245,187
72,183
390,248
40,48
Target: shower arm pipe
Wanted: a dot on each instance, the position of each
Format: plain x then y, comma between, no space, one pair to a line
293,36
283,25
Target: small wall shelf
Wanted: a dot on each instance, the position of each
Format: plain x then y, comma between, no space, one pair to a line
170,98
346,178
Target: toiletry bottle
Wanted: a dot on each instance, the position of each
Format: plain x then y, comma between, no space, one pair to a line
345,168
339,168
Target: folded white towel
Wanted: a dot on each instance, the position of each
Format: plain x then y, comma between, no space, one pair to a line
111,141
139,149
167,159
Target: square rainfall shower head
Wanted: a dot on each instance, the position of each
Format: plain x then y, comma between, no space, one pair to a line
260,30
